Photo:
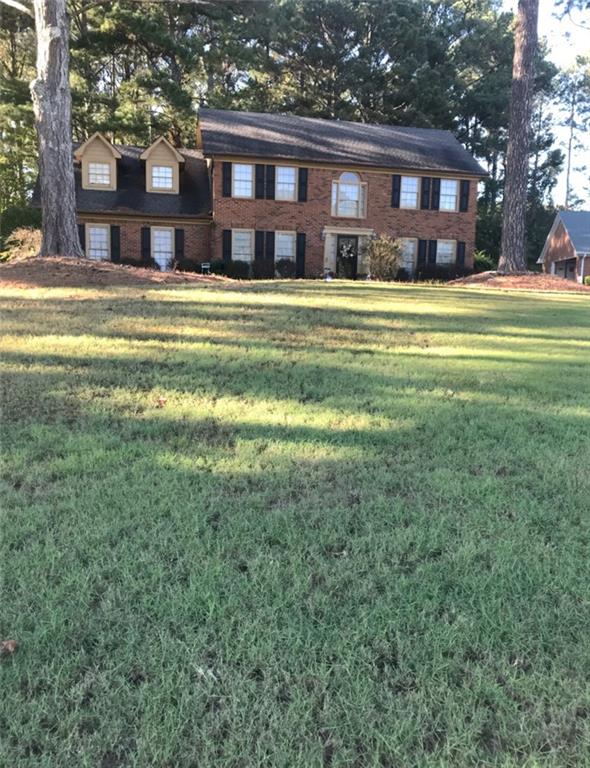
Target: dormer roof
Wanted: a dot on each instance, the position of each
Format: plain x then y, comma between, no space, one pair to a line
161,140
97,135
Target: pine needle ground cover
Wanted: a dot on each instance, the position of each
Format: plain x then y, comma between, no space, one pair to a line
295,524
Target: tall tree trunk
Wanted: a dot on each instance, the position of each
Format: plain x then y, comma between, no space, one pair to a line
51,96
512,254
570,145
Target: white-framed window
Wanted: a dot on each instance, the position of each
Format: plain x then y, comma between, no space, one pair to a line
285,246
242,180
285,183
97,241
445,251
99,173
449,195
163,247
409,250
162,177
242,245
410,187
349,196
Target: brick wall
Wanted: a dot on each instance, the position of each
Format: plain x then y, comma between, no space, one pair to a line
196,236
311,217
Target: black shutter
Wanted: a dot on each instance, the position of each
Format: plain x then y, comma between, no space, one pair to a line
425,201
435,194
270,182
146,250
259,246
422,245
432,251
226,246
226,179
464,196
179,244
461,254
269,255
82,237
302,186
259,182
396,185
300,257
116,244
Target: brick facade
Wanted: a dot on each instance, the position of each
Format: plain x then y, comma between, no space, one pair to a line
196,235
313,216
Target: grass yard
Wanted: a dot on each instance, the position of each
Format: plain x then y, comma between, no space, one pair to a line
356,533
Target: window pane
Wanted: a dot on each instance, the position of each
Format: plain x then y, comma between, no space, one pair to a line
445,252
284,245
242,180
162,248
448,194
99,173
408,254
286,183
348,199
242,245
162,177
98,243
409,192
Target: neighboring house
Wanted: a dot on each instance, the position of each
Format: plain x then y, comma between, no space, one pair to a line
280,191
566,252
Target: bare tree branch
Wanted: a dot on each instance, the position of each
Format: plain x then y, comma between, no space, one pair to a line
19,7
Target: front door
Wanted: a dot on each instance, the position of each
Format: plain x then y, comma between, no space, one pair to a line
347,251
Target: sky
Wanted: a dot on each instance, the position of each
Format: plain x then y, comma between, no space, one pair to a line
567,38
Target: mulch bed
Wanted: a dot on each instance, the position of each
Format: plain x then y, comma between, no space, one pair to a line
529,281
58,271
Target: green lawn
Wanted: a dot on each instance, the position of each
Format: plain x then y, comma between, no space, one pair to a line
356,534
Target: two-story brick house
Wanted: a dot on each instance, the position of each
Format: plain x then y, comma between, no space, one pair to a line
302,188
275,190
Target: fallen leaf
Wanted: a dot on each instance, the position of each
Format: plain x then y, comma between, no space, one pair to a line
162,401
7,647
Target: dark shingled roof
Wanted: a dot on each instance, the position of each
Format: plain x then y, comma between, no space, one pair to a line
131,197
307,139
577,224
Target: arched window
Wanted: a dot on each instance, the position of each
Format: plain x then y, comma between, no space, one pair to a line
349,196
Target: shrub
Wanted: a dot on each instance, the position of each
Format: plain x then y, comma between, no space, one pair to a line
587,280
218,267
187,265
383,256
286,268
240,270
403,276
16,217
441,272
483,262
22,242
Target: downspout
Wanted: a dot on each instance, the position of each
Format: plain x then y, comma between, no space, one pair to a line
581,262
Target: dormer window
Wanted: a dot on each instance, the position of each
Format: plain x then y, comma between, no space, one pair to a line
99,174
162,167
98,163
162,177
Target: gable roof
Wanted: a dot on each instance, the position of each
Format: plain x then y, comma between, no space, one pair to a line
577,227
161,140
131,197
97,135
307,139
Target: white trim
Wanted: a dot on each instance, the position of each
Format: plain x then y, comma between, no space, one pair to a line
295,191
161,140
347,231
233,181
153,231
87,245
252,245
